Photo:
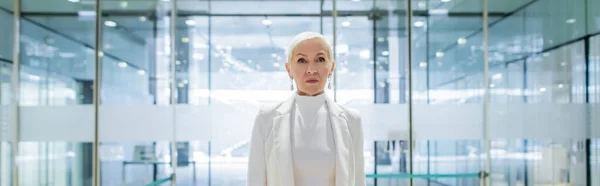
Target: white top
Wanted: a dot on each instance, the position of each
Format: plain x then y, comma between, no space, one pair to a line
313,148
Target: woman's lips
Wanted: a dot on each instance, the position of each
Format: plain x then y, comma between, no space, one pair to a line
311,81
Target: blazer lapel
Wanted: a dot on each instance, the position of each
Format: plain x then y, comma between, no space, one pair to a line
283,143
344,165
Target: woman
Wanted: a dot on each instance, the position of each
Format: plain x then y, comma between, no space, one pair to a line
307,140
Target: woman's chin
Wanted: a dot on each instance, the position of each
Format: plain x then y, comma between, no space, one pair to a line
310,91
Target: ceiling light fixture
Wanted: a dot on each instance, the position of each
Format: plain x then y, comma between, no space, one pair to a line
122,64
346,23
141,72
419,23
124,4
423,64
445,1
571,21
185,39
462,41
74,1
110,23
439,54
190,22
267,22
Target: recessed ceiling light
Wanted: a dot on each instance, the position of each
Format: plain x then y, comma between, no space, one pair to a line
346,23
143,18
462,41
571,21
419,23
122,64
141,72
190,22
267,22
124,4
445,1
385,53
542,89
561,85
74,1
185,39
439,54
110,23
423,64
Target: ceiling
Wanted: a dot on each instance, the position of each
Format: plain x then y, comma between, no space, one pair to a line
243,43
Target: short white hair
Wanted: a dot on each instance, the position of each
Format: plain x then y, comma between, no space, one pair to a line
306,36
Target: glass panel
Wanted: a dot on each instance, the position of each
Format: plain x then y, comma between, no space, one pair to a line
6,60
354,67
136,113
537,81
593,17
594,100
56,71
553,22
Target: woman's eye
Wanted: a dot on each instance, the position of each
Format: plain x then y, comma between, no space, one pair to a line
301,60
321,59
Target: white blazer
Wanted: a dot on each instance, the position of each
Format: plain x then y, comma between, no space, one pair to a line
270,161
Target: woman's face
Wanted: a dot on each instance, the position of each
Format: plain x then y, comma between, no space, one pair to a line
310,66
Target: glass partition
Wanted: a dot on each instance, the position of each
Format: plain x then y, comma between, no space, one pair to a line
6,61
184,79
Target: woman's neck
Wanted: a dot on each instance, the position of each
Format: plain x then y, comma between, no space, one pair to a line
306,94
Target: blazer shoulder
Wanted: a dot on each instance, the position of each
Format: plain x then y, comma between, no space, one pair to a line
351,113
269,110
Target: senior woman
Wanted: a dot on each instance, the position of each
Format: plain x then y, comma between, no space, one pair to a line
308,139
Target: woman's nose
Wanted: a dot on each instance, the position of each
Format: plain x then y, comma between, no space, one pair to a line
311,70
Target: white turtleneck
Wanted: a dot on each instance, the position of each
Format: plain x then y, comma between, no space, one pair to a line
313,149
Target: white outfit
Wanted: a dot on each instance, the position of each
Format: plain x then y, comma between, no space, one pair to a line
282,147
313,151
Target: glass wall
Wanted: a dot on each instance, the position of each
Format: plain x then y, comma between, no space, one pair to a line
6,60
182,80
539,93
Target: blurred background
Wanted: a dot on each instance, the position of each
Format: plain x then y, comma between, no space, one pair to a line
541,121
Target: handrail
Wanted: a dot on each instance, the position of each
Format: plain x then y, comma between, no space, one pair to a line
401,175
160,181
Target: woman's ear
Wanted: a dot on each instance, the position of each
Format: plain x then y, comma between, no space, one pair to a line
332,69
287,67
